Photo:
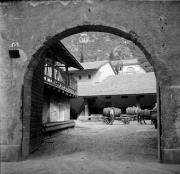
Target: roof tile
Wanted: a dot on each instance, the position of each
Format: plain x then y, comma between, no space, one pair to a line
120,85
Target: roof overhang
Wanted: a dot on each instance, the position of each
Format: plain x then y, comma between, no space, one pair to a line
64,56
118,94
82,72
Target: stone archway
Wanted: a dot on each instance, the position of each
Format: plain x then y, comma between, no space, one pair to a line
30,23
27,98
37,62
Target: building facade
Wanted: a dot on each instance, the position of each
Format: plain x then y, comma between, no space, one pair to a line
58,90
121,91
93,72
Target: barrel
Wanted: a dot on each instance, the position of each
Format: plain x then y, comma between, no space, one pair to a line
117,112
131,110
145,113
138,110
153,115
106,111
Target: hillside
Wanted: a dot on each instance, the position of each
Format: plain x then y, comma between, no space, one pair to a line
95,46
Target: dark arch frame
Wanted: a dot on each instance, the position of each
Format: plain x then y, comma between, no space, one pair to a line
26,103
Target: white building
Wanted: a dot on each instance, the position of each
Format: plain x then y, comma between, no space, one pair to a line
99,87
93,71
119,91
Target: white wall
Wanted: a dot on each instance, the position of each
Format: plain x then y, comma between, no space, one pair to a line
58,109
84,76
103,72
96,76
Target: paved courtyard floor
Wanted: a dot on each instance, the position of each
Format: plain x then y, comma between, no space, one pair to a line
96,148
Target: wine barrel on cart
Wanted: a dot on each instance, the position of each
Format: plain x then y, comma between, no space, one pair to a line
106,111
132,110
117,112
107,116
145,114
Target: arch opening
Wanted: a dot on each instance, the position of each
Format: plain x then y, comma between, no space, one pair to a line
37,63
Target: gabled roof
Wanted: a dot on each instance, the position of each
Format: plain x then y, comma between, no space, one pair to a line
91,65
120,85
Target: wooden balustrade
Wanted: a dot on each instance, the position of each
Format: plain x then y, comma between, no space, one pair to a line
59,78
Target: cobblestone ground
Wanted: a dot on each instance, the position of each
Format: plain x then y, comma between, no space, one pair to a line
95,148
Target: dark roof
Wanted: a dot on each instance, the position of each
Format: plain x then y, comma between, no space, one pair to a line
91,65
144,83
64,56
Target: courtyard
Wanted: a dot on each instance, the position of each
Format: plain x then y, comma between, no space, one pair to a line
96,148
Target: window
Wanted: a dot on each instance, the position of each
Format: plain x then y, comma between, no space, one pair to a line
124,96
89,76
80,77
141,96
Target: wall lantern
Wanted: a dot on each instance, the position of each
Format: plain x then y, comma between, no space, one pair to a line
14,51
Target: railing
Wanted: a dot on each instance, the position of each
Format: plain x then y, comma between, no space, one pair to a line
56,74
68,86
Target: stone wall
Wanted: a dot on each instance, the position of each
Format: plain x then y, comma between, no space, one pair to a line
32,23
37,96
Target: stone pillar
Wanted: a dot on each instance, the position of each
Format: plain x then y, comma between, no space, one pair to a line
10,133
170,123
86,108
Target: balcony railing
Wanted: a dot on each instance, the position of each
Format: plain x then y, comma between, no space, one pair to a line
59,78
70,87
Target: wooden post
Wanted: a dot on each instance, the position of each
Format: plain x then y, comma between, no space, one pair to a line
67,76
53,62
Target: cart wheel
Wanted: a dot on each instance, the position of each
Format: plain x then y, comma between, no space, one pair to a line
106,121
124,121
127,121
111,121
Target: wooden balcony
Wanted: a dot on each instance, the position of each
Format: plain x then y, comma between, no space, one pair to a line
68,85
56,75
